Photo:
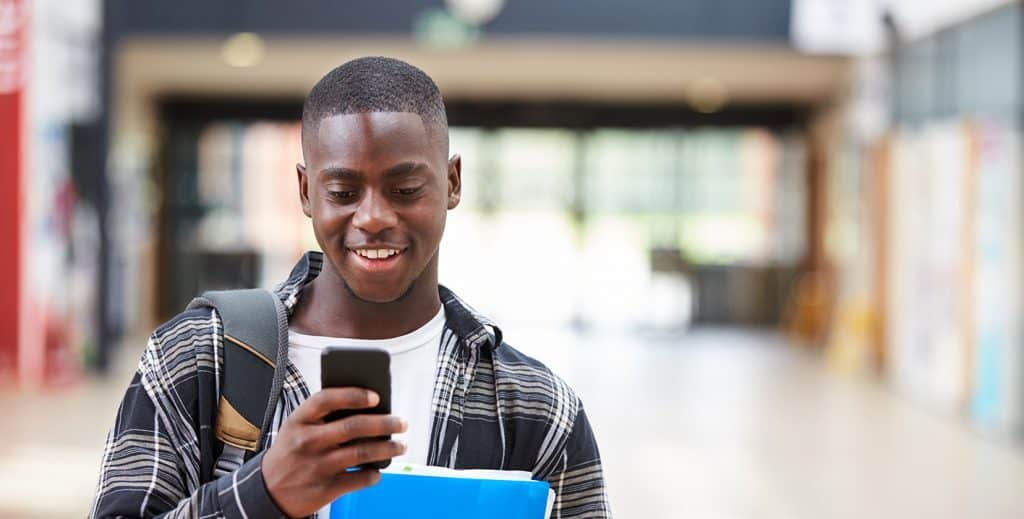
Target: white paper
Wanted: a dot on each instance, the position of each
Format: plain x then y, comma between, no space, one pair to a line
423,470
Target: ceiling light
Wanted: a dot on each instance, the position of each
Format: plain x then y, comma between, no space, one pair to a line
474,12
706,95
242,50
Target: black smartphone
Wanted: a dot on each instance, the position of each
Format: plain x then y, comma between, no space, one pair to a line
359,367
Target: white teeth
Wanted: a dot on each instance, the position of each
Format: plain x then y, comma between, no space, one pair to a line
376,253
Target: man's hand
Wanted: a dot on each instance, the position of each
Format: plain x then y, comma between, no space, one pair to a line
305,468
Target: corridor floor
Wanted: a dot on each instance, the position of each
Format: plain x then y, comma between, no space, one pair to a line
716,423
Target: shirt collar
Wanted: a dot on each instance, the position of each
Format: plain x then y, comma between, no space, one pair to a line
474,328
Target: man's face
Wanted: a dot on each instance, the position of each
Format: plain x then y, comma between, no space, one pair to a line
378,188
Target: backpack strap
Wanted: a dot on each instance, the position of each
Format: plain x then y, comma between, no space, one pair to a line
252,329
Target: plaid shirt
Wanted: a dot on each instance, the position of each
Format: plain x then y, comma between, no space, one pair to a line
493,408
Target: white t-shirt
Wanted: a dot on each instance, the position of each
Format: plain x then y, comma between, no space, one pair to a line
413,365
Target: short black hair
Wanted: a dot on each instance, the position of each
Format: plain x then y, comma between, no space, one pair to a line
376,84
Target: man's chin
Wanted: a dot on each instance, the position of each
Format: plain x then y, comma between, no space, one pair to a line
378,295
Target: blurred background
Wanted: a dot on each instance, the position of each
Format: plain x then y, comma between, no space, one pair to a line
777,242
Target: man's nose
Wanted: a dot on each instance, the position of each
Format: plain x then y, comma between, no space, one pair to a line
374,214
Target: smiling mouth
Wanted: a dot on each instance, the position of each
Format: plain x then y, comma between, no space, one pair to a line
377,259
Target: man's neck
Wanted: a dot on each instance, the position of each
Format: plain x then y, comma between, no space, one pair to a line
328,308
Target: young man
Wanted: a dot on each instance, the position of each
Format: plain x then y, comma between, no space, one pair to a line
377,183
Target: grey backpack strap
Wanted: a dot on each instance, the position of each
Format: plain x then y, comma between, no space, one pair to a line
251,334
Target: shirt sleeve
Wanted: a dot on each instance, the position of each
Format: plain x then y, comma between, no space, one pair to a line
578,480
150,465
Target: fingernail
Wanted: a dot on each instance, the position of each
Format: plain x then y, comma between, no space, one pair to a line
401,447
403,425
372,398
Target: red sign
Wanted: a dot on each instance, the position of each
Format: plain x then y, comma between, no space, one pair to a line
13,18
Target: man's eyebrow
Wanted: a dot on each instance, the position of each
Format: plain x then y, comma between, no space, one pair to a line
346,174
340,174
403,169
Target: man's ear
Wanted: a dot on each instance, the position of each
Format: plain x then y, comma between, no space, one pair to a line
300,172
454,181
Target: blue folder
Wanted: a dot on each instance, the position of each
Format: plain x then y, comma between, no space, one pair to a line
400,495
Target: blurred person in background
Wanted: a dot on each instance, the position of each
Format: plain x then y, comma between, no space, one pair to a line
377,182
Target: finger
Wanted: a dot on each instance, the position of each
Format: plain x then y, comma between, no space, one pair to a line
360,426
353,455
347,482
331,399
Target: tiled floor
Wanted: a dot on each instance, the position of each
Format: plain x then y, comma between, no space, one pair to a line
713,424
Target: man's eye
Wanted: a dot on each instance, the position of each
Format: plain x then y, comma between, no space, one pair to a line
407,191
341,195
